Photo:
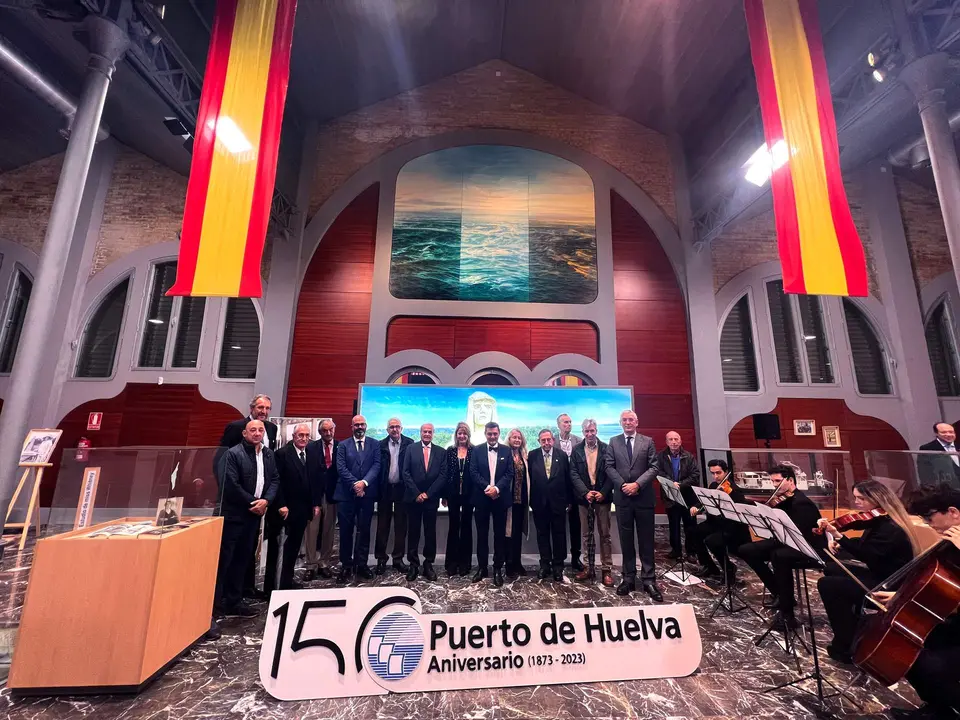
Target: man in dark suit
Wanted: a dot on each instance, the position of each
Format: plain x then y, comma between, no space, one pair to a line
938,469
675,463
593,492
550,496
424,478
318,538
250,484
491,474
390,506
632,467
298,502
564,439
358,470
260,408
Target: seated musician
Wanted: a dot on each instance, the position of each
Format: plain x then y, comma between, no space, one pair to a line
935,674
763,554
718,537
887,544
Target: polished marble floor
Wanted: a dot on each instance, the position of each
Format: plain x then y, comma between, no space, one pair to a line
220,680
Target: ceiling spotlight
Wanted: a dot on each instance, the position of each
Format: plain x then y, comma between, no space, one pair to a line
879,75
763,162
155,321
872,59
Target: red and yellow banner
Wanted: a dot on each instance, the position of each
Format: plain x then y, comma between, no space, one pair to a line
820,250
235,149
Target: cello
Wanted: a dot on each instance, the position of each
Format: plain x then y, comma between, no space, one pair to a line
889,643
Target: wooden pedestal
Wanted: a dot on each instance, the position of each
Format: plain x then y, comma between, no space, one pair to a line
110,614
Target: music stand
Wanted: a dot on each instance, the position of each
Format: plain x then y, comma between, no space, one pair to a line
672,493
718,504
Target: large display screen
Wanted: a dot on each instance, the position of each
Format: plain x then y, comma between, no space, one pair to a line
530,409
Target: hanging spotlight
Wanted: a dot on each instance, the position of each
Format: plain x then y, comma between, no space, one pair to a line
872,59
879,75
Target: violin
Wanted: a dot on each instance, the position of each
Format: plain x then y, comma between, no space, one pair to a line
777,499
726,485
845,521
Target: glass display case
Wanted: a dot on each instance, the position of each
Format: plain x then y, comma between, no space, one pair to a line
905,471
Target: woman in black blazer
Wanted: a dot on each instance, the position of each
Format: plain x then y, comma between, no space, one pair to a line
457,501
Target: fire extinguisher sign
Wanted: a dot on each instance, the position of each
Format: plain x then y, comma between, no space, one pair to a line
94,420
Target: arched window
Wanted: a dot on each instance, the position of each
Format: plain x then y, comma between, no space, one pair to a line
738,358
172,326
869,360
493,376
569,378
13,322
797,322
414,376
241,340
98,349
942,349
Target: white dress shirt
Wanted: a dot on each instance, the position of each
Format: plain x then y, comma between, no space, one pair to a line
393,476
492,458
258,492
952,449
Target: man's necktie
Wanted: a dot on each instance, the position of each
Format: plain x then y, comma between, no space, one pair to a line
328,457
426,456
630,449
359,446
303,458
548,461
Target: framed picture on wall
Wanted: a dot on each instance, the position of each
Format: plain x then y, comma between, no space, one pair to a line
804,427
831,436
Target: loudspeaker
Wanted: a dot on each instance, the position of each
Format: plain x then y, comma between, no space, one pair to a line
766,426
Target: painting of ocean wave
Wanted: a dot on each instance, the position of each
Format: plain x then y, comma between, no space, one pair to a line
494,223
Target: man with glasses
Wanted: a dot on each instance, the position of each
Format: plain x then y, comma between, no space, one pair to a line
390,507
358,468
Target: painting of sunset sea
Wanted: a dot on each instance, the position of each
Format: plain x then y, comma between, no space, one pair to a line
494,223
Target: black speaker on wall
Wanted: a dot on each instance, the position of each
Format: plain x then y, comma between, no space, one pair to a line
766,426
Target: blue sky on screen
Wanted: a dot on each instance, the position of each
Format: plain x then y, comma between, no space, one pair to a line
445,405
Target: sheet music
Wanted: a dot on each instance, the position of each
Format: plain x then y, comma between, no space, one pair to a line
728,507
755,520
786,531
708,498
671,491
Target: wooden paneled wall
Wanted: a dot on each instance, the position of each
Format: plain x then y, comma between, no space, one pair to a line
455,339
144,414
329,357
652,340
857,432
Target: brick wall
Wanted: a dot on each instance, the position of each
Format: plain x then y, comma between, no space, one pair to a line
479,98
923,226
26,196
754,242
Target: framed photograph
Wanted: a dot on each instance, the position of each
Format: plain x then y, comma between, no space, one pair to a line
169,511
39,445
831,436
804,427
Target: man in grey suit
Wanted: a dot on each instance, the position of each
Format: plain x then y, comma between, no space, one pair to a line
567,441
631,467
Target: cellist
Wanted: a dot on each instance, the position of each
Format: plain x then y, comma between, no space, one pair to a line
887,544
935,674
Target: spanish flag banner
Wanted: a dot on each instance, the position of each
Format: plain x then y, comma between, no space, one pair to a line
820,250
235,149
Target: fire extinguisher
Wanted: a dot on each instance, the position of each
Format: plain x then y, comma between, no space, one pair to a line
83,450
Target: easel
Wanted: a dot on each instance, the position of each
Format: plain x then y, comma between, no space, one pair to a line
33,508
684,578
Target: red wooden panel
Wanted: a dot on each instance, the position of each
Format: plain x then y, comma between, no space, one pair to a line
480,335
663,317
342,338
322,402
553,338
327,372
633,256
656,378
433,334
319,308
352,236
344,277
657,411
645,286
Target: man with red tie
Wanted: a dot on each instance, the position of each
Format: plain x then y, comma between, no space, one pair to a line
424,474
320,531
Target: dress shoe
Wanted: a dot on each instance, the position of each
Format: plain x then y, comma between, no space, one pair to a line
706,571
772,602
343,577
558,576
653,591
400,566
309,574
480,574
498,578
412,573
839,654
521,570
785,621
577,564
242,610
626,587
673,555
543,573
428,572
256,595
363,572
381,567
586,575
325,573
607,580
214,632
465,570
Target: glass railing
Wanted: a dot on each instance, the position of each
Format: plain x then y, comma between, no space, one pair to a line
905,471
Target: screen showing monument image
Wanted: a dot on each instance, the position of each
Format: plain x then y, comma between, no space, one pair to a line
529,408
496,223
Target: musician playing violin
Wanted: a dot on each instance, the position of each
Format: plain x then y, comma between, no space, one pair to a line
935,674
718,537
763,554
887,544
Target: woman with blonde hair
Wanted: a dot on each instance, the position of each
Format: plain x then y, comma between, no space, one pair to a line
888,542
457,500
517,516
